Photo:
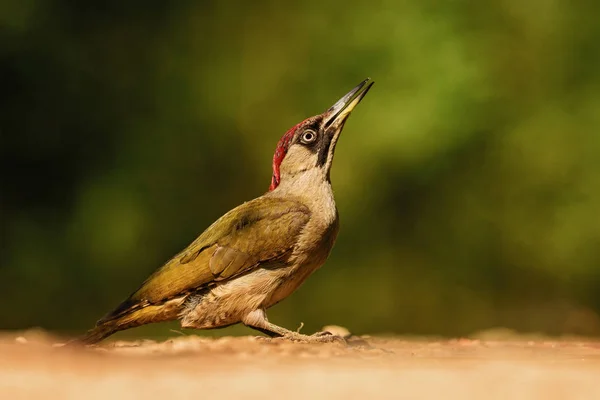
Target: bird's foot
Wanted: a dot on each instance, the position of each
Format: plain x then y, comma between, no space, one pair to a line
319,337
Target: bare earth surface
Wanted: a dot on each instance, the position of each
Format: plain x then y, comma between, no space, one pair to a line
255,368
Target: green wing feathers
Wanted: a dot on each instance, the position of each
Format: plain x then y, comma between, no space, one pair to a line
258,231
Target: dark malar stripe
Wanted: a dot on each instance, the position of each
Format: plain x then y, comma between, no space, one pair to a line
324,149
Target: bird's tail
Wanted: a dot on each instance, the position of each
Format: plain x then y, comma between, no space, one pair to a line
96,334
133,317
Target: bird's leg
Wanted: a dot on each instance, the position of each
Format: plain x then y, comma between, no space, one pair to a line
257,319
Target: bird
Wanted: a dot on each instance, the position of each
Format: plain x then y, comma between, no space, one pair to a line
258,253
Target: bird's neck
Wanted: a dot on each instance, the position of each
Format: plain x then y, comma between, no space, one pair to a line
312,188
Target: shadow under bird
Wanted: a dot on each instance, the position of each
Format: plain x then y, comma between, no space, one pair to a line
257,254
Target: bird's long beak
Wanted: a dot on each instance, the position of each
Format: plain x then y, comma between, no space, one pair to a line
339,112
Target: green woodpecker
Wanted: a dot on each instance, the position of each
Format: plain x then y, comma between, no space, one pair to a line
257,254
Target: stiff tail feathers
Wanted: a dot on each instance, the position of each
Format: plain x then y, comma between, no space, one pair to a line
135,316
95,335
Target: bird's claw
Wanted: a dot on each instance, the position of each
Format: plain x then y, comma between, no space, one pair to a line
327,337
319,337
322,333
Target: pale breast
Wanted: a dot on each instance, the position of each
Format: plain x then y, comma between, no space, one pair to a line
312,252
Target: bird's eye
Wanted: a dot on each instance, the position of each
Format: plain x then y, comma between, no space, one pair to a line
308,137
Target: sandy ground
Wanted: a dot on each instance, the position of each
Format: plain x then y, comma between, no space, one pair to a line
255,368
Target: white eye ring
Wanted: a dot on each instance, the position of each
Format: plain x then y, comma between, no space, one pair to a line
308,136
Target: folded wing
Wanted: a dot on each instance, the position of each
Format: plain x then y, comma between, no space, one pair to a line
257,232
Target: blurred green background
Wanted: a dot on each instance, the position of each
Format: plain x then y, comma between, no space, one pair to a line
467,181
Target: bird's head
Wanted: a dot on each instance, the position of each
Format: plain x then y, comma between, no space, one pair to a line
310,144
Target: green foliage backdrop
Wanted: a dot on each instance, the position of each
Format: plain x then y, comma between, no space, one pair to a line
467,181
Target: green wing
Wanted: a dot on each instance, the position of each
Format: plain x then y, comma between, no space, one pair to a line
259,231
